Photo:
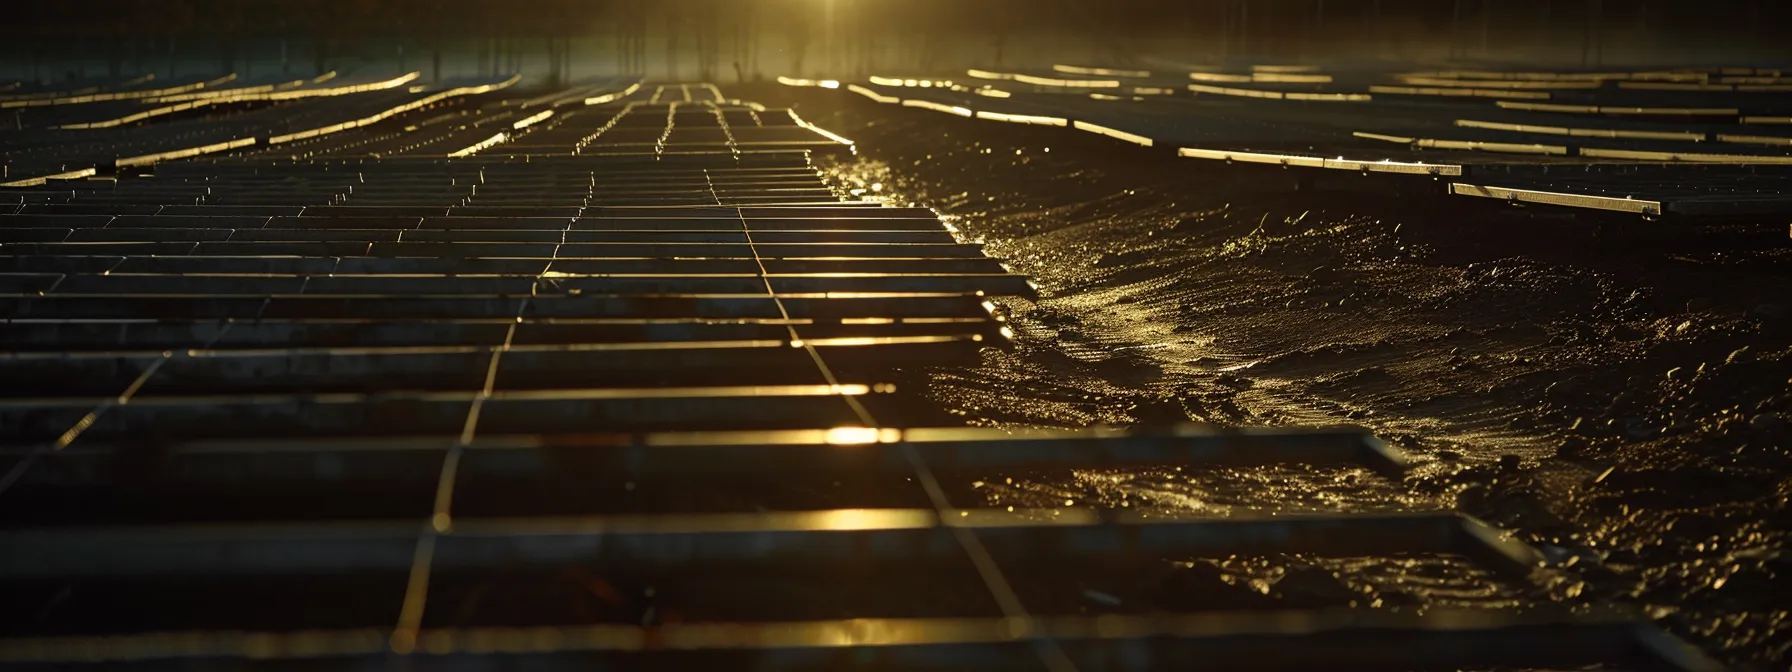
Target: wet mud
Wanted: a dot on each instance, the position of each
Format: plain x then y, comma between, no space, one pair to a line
1615,391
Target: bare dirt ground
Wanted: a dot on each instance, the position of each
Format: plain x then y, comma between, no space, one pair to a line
1617,392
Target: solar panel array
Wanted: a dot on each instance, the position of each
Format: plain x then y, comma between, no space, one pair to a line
631,388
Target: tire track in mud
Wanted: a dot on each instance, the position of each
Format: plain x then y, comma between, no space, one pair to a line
1617,392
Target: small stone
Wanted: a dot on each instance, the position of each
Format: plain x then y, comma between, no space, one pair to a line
1126,299
1510,462
1737,355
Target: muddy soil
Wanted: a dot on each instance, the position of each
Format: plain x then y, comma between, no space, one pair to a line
1618,392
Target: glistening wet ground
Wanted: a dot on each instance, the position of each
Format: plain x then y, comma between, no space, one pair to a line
1618,392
